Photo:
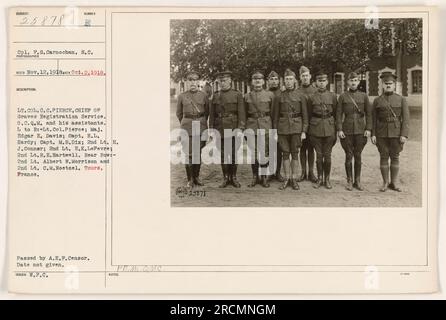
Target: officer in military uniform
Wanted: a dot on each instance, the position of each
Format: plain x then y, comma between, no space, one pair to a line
274,87
306,150
193,106
227,111
259,106
322,131
390,130
291,121
354,125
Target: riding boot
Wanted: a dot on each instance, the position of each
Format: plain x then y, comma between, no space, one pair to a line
225,170
196,173
394,169
385,175
348,171
320,181
233,178
255,175
190,180
327,170
311,175
357,183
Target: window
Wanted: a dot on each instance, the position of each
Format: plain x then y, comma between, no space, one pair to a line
417,81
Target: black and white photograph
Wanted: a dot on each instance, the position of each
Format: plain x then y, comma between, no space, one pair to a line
296,112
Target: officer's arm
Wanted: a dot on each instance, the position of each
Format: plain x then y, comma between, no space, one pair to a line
368,113
241,111
339,111
245,105
309,107
374,116
304,115
275,115
206,107
212,113
406,118
180,108
272,97
335,106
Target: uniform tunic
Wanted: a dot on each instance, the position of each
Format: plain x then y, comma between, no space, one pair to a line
307,91
322,112
385,123
351,118
227,111
290,113
259,106
390,122
354,116
193,106
290,119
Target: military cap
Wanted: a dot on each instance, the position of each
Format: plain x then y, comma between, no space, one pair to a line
224,74
257,75
303,69
273,74
386,76
321,75
352,75
191,73
289,72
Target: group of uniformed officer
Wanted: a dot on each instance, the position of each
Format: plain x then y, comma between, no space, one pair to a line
308,120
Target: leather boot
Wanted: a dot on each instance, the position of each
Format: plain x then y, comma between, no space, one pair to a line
311,175
278,176
285,184
303,175
294,184
265,182
348,171
233,176
255,176
226,181
311,156
303,165
190,180
196,174
320,180
357,183
394,169
286,170
294,170
385,175
327,170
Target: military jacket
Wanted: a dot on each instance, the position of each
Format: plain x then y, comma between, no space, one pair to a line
259,107
390,116
290,113
307,90
322,111
193,106
227,111
354,113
